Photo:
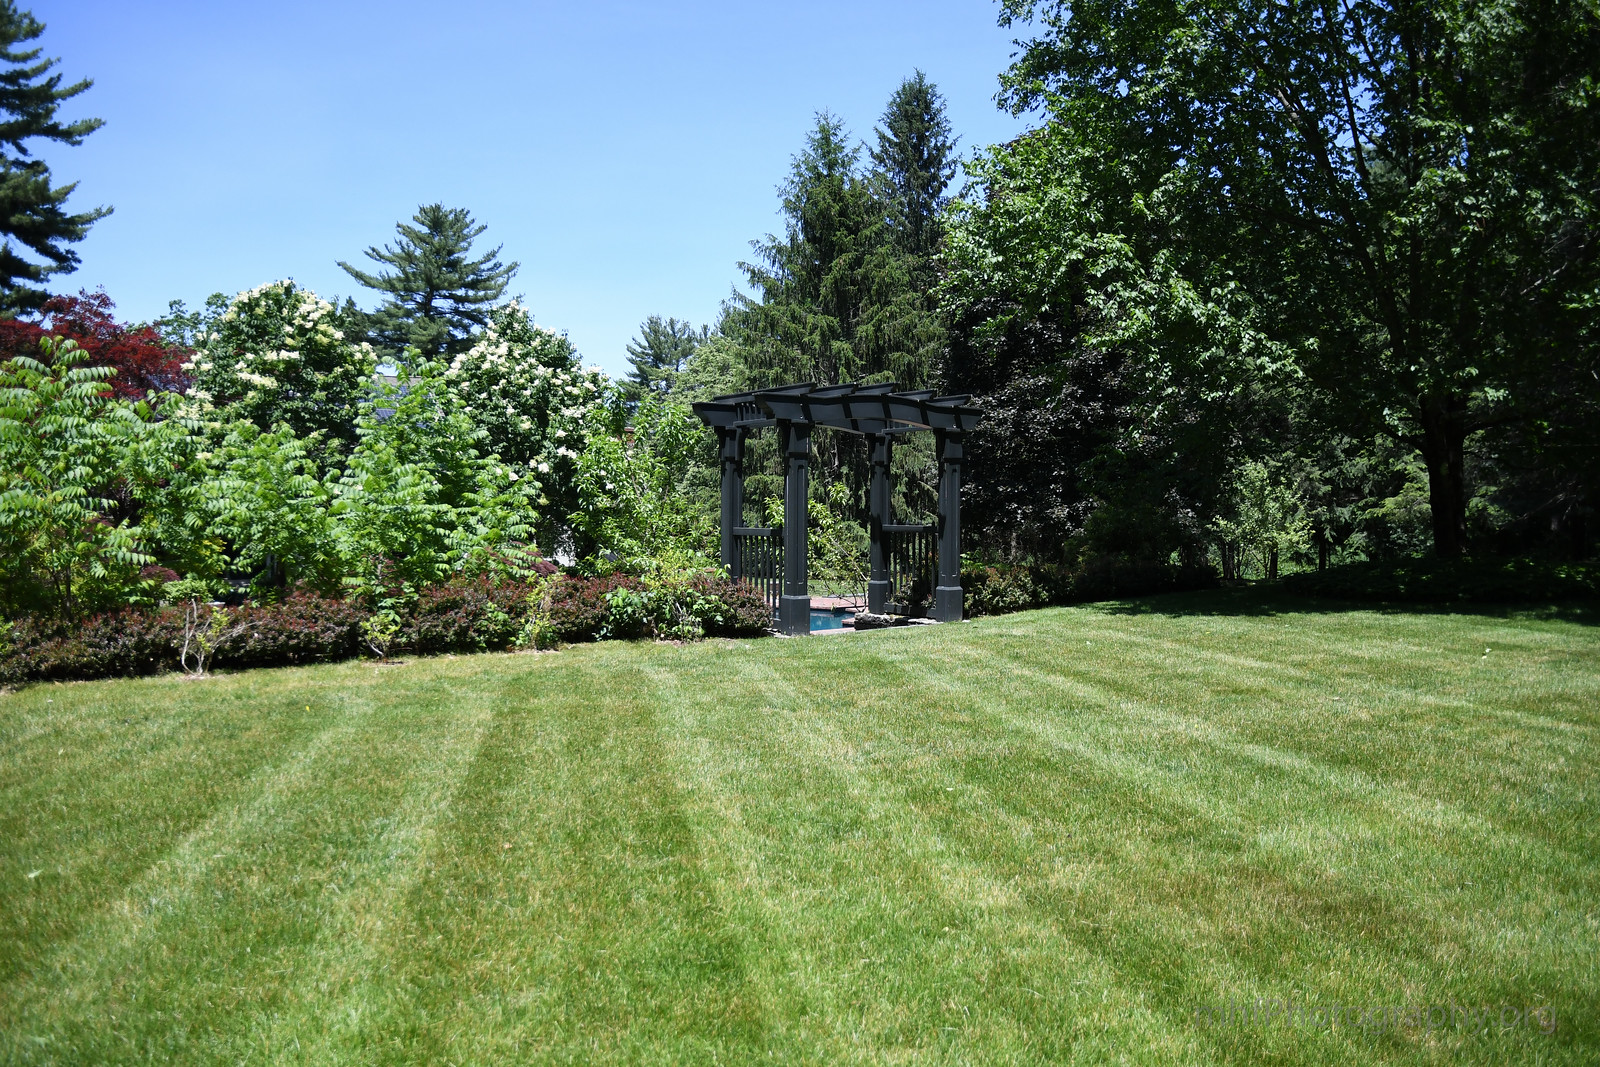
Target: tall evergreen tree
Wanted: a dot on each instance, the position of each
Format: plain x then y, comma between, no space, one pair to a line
658,355
836,300
916,159
836,297
438,293
33,212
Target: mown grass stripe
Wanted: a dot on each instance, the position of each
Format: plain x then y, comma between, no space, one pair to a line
929,913
595,934
99,783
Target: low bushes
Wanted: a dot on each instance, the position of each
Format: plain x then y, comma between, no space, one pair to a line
468,616
303,628
475,615
584,609
730,608
680,607
128,642
999,588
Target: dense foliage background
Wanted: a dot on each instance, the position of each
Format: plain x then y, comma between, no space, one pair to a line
1265,290
1299,281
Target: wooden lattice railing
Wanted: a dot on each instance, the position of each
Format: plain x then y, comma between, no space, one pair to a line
761,560
911,555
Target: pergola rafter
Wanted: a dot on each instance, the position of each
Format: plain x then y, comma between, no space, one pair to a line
878,412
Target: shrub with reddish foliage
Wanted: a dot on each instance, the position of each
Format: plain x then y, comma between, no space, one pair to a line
460,616
142,360
578,608
468,616
304,628
741,609
118,643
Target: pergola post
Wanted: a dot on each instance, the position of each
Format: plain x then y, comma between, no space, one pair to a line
794,609
947,596
879,446
730,445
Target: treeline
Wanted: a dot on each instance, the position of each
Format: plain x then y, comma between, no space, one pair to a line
1277,283
1263,289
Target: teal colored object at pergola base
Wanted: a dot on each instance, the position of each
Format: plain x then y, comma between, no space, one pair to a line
834,619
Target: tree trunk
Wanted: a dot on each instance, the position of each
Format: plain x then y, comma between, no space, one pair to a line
1577,531
1444,440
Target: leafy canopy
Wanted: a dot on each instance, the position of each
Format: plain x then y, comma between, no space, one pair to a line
143,359
64,442
630,488
1397,196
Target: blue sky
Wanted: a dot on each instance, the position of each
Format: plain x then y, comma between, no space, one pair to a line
625,153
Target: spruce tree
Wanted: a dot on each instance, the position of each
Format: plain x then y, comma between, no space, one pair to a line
658,355
915,159
836,299
438,293
812,281
33,212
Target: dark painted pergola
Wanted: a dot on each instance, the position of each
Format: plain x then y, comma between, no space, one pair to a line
880,414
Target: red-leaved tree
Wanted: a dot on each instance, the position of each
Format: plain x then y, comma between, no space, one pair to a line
143,361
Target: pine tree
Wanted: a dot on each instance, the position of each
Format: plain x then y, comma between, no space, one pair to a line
33,212
915,159
659,354
437,292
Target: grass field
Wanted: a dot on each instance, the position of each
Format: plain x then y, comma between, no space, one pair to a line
1062,836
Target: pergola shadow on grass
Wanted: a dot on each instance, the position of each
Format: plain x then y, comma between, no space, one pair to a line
898,552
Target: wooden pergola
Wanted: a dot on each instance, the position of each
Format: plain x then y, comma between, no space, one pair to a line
879,413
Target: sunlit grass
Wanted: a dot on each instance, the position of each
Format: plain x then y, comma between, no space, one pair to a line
1049,837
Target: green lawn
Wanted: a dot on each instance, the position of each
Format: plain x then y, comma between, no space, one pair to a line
1048,837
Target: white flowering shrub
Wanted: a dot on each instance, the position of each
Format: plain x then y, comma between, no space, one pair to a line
523,386
280,355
